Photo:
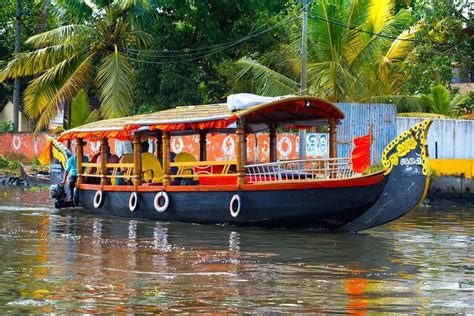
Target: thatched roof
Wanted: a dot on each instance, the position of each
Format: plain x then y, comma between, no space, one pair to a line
286,111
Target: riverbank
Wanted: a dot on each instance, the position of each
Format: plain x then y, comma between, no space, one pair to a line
452,179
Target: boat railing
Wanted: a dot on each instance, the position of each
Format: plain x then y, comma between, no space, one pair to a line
114,170
195,169
304,169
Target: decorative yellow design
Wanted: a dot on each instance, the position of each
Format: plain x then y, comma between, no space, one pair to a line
404,143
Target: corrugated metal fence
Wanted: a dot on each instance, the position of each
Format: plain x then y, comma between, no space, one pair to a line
446,138
380,119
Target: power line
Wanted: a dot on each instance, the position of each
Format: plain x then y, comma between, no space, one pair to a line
214,49
377,34
197,49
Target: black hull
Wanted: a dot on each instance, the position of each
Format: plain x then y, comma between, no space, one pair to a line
327,208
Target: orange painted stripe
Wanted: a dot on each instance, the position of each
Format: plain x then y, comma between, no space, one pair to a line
335,183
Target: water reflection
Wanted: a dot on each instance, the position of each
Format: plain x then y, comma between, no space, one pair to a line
76,263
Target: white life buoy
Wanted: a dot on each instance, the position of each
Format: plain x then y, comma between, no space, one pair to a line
177,144
16,142
289,146
133,202
228,145
234,206
161,201
98,199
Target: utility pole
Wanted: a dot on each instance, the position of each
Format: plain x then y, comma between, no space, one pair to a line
304,48
17,84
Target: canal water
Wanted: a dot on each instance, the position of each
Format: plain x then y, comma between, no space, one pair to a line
73,262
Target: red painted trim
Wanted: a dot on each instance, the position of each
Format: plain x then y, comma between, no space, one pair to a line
336,183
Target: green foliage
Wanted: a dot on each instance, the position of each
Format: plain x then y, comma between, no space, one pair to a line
343,64
439,101
186,64
442,47
6,126
3,162
9,164
81,110
73,57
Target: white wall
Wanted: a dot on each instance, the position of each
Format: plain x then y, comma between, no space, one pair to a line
454,139
7,115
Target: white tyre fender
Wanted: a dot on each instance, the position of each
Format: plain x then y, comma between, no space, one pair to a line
133,202
161,201
235,205
98,199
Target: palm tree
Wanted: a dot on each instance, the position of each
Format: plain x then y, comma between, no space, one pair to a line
356,49
439,101
74,57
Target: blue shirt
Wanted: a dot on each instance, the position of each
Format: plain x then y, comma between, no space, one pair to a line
71,166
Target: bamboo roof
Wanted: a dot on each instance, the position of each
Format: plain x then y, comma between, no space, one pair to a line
290,110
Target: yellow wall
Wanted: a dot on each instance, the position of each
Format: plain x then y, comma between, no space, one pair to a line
453,167
7,116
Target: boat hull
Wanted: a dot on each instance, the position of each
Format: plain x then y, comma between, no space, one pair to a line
328,207
346,205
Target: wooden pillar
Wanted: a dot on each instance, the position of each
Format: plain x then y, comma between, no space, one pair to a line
79,155
202,145
159,144
273,143
241,155
166,159
137,159
103,161
332,138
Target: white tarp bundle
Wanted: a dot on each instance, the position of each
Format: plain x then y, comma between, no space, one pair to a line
242,101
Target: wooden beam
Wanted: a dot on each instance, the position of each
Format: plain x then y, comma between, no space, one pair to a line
79,155
103,160
273,143
202,145
159,144
137,159
166,159
241,152
332,138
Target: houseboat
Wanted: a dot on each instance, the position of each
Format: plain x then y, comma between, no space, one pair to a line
309,193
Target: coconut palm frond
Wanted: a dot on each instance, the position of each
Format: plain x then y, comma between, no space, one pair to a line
127,4
398,49
114,80
380,15
45,94
140,39
35,62
267,81
423,115
74,11
404,103
81,112
62,35
439,100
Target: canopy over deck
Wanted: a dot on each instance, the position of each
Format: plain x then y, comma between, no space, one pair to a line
292,111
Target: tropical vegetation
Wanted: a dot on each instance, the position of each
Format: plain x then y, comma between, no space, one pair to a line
113,58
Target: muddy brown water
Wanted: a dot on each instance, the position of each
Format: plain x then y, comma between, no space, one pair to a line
73,262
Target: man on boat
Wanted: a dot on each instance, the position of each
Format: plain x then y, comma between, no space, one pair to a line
71,172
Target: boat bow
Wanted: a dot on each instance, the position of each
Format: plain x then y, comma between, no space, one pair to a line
406,165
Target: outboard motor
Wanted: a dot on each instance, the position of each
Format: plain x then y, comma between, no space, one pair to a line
57,192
